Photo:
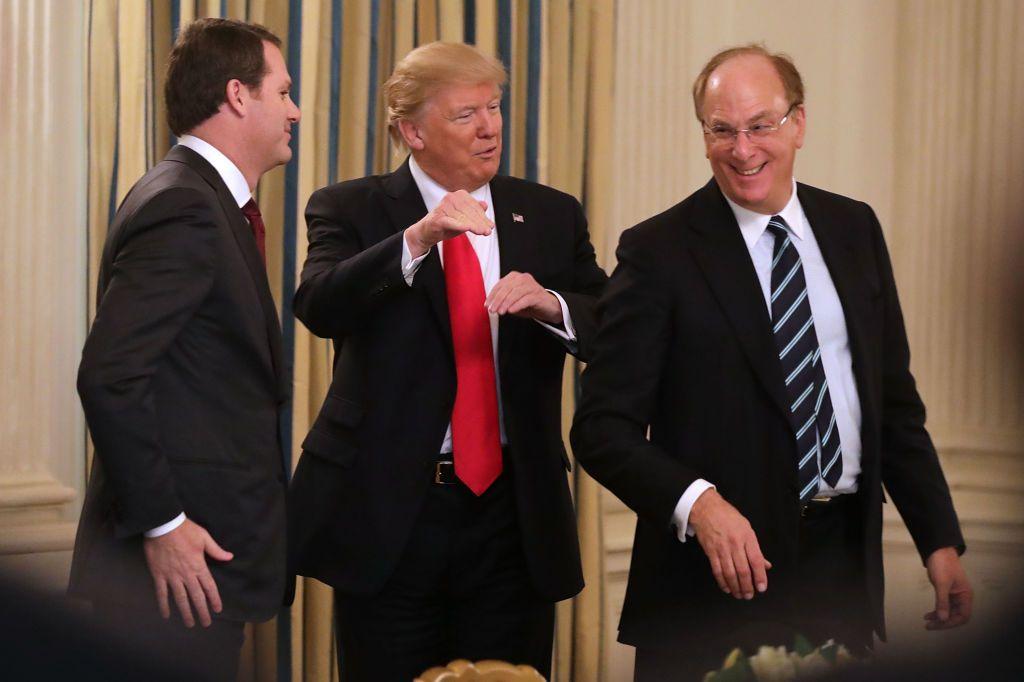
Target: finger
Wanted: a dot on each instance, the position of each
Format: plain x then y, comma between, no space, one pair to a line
743,573
716,570
513,295
941,601
524,302
215,551
758,567
161,598
198,599
212,593
729,573
483,205
181,599
502,292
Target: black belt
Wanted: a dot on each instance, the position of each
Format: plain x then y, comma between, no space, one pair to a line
444,472
444,468
821,505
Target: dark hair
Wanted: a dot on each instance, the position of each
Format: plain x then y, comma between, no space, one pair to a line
783,63
207,54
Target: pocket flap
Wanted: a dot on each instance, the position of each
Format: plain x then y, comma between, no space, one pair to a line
330,447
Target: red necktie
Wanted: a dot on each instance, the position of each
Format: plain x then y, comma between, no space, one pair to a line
476,441
252,212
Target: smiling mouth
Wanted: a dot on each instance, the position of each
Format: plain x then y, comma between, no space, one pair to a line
752,171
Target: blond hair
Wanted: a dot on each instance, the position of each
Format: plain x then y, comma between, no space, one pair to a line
783,63
428,68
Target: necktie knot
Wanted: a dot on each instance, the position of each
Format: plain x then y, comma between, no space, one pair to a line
251,210
778,226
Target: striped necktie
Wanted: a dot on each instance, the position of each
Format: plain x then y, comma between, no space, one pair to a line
817,439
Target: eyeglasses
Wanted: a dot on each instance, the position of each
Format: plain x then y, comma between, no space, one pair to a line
723,134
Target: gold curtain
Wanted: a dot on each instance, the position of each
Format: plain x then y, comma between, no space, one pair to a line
558,106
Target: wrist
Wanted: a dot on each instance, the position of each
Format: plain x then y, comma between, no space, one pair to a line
417,244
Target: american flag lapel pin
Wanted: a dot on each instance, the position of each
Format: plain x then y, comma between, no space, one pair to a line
516,218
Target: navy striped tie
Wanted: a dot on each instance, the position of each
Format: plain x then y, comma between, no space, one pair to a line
817,439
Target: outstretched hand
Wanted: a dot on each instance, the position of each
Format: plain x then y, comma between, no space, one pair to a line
457,212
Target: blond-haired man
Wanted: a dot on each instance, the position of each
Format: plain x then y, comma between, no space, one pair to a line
432,489
755,330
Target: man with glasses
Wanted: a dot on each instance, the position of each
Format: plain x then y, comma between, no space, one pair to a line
750,394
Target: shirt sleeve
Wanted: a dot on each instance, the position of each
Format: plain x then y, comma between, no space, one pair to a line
411,265
681,516
568,333
167,527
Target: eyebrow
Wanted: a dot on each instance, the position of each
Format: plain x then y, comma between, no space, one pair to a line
765,113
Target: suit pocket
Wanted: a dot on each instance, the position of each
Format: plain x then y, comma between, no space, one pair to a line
332,436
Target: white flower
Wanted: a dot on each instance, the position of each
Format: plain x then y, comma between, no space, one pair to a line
772,664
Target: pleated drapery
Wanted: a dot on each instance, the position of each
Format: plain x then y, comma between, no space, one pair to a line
557,110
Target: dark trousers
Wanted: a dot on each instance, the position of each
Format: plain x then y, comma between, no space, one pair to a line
203,654
822,598
461,590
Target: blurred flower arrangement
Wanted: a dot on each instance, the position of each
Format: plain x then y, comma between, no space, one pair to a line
772,664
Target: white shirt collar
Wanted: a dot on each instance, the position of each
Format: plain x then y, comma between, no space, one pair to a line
753,224
433,192
225,168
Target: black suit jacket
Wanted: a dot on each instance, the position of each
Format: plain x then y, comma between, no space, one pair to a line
182,385
368,460
686,348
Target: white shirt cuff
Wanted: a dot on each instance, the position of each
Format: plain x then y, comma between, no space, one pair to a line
569,333
167,527
681,516
409,264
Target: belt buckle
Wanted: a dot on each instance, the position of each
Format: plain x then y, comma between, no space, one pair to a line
438,474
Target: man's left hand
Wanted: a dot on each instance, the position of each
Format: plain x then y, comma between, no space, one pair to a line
953,595
520,294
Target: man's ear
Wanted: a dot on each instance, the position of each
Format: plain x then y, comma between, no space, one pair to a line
235,94
411,134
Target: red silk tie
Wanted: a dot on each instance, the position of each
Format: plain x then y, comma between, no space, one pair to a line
476,440
252,212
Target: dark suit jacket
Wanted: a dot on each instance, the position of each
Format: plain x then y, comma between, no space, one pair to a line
181,382
685,347
369,458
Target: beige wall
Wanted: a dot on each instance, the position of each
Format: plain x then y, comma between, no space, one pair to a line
43,295
916,107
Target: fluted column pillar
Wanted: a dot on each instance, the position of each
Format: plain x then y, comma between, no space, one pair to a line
43,294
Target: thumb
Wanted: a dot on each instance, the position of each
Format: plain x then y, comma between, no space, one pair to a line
215,551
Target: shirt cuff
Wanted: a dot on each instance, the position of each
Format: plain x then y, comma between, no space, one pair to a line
569,332
167,527
681,516
409,264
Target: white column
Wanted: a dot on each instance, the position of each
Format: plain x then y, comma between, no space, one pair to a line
43,292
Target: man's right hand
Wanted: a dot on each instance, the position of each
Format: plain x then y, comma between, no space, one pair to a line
730,545
177,562
458,212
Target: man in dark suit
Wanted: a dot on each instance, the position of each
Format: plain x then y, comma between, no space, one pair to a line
182,373
432,491
755,330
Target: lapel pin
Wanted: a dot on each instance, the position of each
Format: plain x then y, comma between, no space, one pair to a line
516,218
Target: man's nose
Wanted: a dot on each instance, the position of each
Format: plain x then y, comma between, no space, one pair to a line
489,124
742,147
295,114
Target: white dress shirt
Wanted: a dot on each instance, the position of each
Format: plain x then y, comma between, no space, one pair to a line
239,189
486,248
830,327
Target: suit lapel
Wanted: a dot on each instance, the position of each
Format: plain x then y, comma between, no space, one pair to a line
515,239
250,254
724,258
839,251
405,208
